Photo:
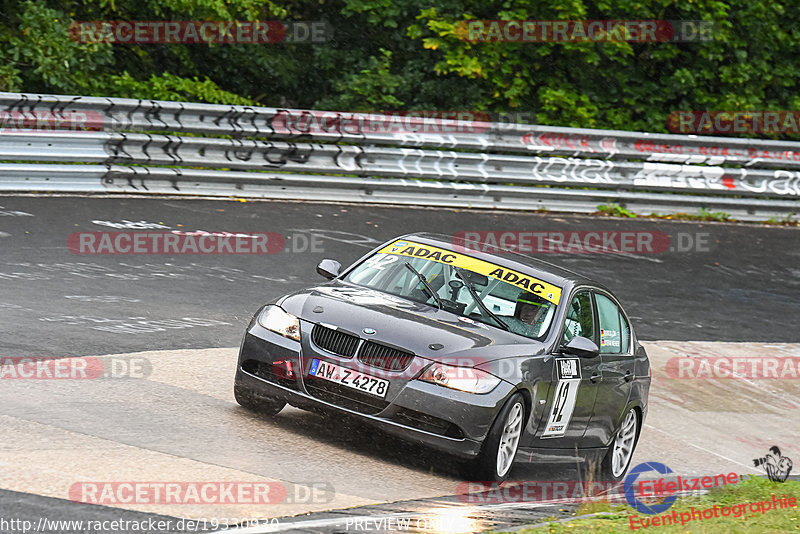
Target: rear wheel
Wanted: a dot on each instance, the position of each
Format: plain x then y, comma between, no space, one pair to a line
620,452
256,403
500,447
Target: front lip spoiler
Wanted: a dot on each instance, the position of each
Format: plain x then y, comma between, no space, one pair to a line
463,447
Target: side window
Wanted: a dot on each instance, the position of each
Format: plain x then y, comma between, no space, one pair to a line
625,342
614,331
579,320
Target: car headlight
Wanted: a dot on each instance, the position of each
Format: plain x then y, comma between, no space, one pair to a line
275,319
466,379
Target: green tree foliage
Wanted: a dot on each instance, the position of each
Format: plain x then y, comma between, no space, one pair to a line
411,54
747,64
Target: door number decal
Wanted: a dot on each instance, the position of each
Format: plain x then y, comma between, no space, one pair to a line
569,379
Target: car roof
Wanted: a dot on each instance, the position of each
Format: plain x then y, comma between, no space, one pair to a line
543,270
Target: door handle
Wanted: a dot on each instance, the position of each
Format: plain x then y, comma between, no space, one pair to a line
595,377
628,376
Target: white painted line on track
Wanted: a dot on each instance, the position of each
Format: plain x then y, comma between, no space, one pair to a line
749,467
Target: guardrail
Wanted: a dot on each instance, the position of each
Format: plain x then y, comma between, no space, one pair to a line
137,146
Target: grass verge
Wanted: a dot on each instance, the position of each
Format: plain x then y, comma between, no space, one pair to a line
741,500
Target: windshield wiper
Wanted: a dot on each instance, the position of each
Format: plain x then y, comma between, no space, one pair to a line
477,298
425,283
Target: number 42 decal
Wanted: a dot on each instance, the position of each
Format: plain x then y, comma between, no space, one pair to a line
569,379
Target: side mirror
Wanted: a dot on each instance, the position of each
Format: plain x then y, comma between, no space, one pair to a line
582,346
329,269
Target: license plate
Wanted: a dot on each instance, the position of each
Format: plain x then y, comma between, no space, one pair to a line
348,377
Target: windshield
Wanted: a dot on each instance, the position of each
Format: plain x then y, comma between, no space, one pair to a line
463,292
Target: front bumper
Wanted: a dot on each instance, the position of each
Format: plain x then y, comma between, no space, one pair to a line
452,421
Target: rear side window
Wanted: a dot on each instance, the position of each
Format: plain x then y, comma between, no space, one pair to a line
614,330
625,341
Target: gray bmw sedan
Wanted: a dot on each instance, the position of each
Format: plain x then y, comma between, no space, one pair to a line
493,357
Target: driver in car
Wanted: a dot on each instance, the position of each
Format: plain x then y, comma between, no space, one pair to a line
530,313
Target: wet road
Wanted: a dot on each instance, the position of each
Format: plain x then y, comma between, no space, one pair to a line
177,319
740,283
178,422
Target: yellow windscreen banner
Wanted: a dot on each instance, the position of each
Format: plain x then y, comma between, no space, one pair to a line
462,261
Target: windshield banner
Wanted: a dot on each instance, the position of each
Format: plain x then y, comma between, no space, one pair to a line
462,261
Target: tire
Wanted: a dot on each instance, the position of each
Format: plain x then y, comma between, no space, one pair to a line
255,403
496,459
620,451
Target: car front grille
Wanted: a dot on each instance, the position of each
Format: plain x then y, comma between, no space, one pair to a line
369,353
383,357
334,341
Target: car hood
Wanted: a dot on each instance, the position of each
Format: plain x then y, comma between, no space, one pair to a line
407,324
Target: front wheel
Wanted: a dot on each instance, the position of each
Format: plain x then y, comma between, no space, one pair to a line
262,405
620,452
501,444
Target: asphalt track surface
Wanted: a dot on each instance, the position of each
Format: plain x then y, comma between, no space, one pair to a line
177,320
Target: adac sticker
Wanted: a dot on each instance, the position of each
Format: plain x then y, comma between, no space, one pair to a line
417,250
397,245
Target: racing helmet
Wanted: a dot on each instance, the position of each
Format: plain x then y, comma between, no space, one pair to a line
526,301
